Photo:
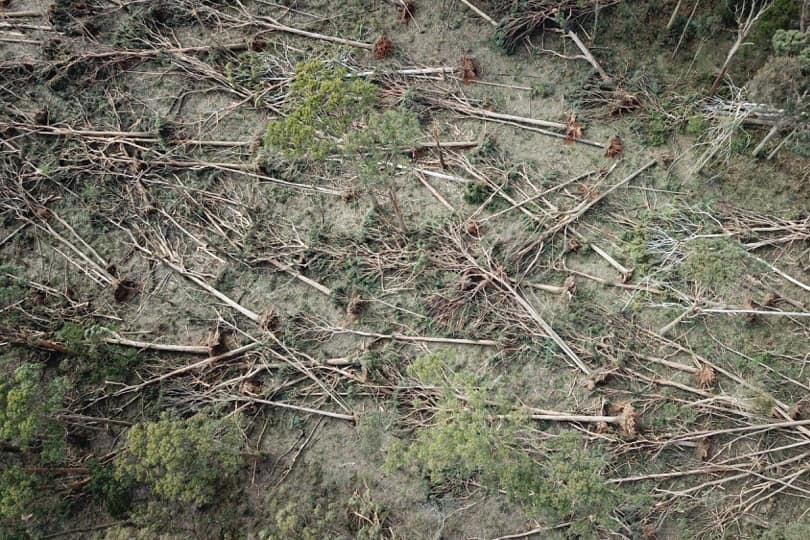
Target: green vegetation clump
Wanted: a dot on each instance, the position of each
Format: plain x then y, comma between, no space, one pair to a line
790,42
324,104
248,71
11,289
793,43
477,193
783,14
27,407
17,493
797,530
473,437
716,263
182,460
288,521
656,130
697,125
111,490
312,516
543,90
387,136
94,360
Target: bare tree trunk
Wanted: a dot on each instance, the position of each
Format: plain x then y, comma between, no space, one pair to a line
804,21
674,14
747,16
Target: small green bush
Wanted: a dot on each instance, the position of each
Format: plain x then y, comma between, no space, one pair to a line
790,42
543,90
324,105
476,193
796,530
466,440
697,125
17,493
656,130
383,143
182,460
716,263
112,490
26,410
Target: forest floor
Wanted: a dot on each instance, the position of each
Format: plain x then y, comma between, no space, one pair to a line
549,295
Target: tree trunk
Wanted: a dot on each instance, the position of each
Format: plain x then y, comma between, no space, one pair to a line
674,14
804,21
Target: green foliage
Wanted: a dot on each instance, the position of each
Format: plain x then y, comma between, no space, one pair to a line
656,130
154,520
289,521
682,29
248,71
113,491
477,193
465,440
790,42
573,486
26,409
789,530
371,525
793,43
784,14
72,336
17,494
716,263
310,512
670,414
94,360
697,125
324,105
488,149
636,241
543,90
383,142
182,460
313,517
11,287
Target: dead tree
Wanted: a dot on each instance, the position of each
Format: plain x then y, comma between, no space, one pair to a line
747,16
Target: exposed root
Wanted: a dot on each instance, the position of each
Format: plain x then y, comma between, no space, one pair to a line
615,147
469,69
705,377
383,48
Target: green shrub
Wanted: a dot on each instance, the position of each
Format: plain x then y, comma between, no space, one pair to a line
697,125
307,513
796,530
543,90
476,193
572,485
182,460
475,437
656,130
17,494
383,142
27,407
112,490
93,360
790,42
324,105
716,263
72,336
784,14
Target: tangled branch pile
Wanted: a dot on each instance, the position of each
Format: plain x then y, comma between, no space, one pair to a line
519,20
